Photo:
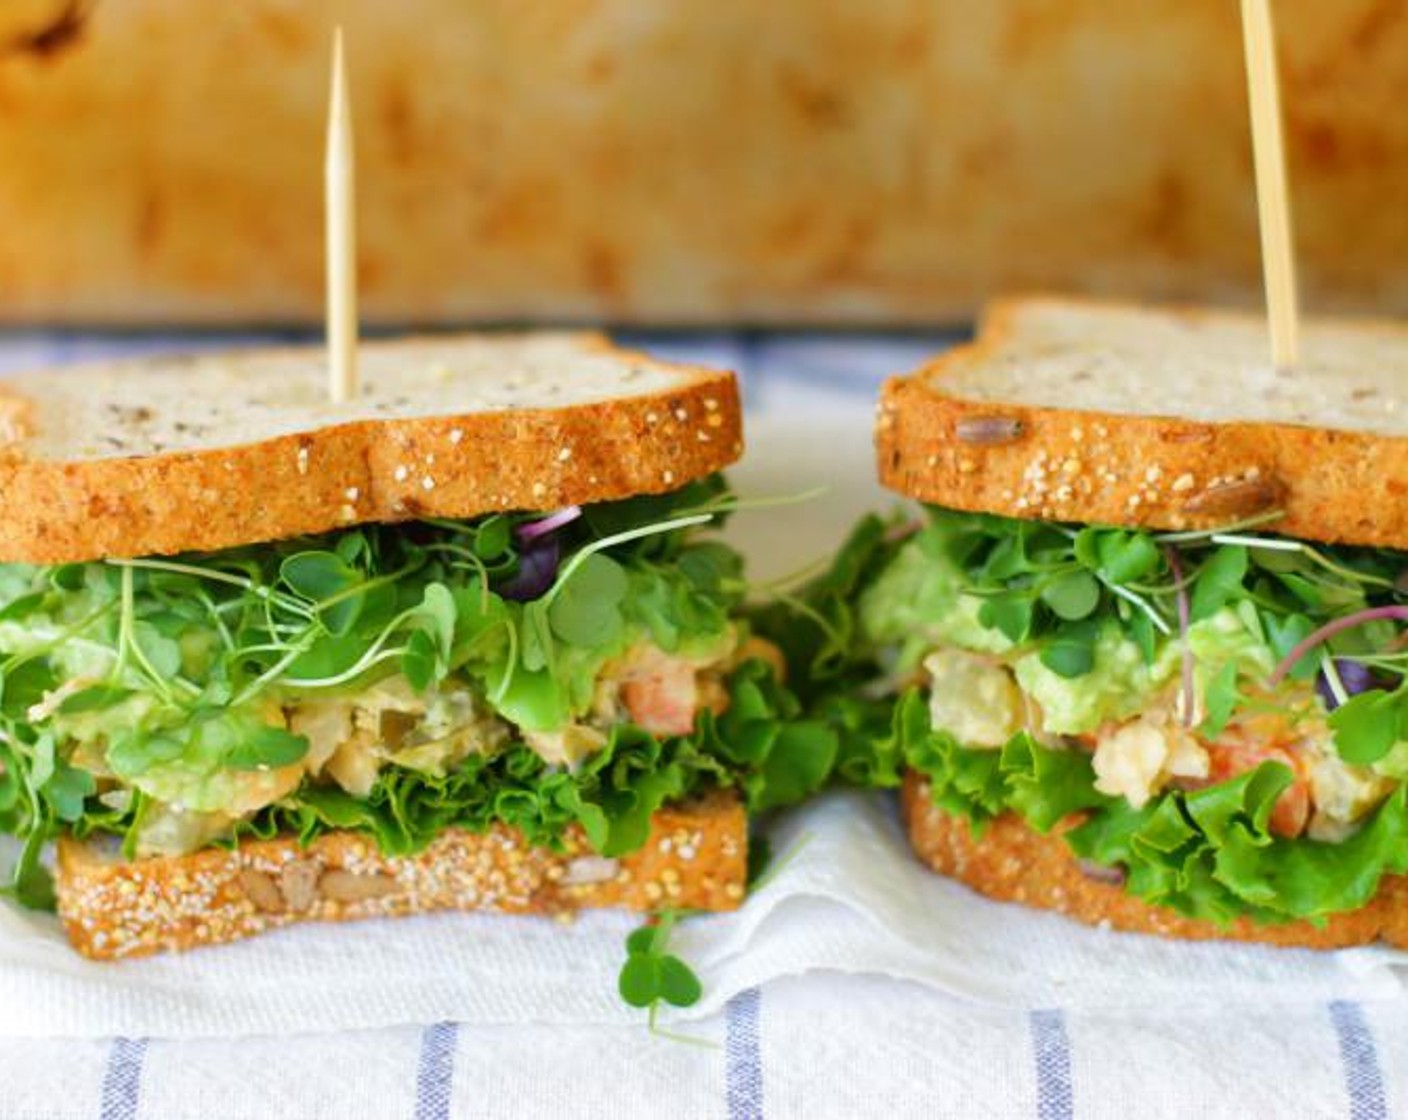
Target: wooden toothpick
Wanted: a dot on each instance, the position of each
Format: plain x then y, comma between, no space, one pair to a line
1273,205
341,226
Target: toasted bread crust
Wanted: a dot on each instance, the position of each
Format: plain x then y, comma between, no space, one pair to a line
368,471
1155,472
1012,862
695,859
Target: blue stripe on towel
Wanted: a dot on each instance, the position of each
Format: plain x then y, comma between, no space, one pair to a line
435,1075
1363,1077
122,1081
743,1056
1051,1047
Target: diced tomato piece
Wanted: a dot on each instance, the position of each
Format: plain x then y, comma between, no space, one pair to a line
1292,811
663,698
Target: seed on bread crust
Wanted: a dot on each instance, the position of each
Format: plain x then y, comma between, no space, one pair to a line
298,883
1235,498
262,890
348,886
988,430
589,869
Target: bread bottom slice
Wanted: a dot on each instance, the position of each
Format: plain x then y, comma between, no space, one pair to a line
1012,862
695,858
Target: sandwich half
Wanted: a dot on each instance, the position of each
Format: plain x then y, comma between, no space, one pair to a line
463,642
1146,649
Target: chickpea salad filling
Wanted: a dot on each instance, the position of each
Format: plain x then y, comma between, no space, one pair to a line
574,668
1217,720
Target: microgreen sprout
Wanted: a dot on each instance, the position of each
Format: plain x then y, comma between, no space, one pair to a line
530,530
729,503
1187,694
1069,595
1329,630
1270,544
652,976
1143,604
1193,536
580,557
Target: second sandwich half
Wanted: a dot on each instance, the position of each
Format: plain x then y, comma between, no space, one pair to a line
1141,659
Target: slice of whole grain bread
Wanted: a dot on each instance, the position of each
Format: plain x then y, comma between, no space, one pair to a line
205,452
1074,410
694,859
1012,862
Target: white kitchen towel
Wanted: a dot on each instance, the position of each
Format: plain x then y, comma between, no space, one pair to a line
815,1048
849,898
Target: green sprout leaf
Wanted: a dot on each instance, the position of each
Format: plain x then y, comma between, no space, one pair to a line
492,538
652,975
586,610
438,607
679,986
641,979
159,652
318,575
33,886
1117,555
1219,581
1011,614
798,758
68,790
1141,631
42,760
1127,557
1070,652
68,577
94,698
24,605
25,685
270,747
11,785
536,636
1366,726
1220,699
326,578
1073,596
1284,633
420,662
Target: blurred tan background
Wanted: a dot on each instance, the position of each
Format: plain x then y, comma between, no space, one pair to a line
674,161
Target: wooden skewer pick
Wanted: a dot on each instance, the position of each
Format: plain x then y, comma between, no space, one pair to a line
1273,205
341,233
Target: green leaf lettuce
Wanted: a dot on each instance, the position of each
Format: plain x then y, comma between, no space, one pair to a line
1207,853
